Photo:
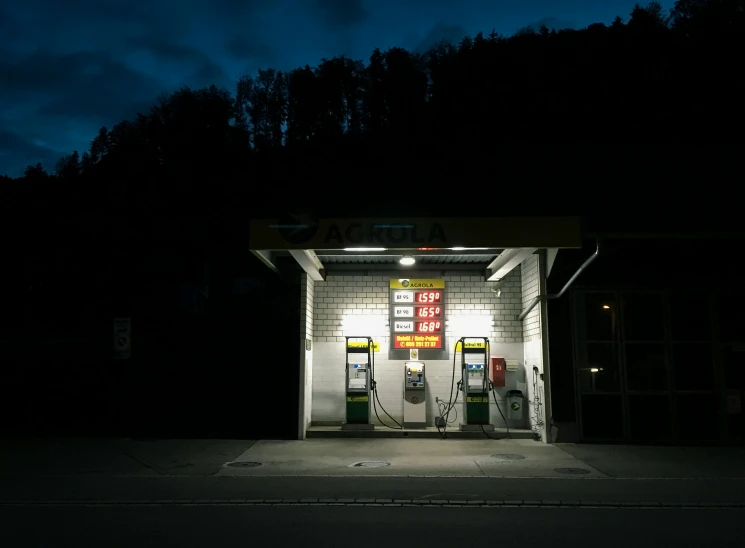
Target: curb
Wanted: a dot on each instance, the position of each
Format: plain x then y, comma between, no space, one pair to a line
646,505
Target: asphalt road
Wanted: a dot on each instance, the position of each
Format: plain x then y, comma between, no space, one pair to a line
101,488
216,526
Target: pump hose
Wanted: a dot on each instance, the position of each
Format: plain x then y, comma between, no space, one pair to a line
451,403
375,395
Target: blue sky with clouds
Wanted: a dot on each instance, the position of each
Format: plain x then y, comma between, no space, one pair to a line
67,68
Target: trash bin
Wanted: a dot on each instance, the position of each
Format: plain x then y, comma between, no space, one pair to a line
515,405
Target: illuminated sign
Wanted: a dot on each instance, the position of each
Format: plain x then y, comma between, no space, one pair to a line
422,325
417,341
419,283
428,297
428,311
427,327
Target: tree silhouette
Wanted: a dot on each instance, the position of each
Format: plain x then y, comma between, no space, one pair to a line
658,78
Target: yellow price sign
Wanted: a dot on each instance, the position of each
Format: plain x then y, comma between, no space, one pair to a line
473,344
363,344
357,398
477,399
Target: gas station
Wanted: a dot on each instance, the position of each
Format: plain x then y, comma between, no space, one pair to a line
421,327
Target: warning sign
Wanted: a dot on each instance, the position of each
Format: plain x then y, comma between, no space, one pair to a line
469,344
357,398
417,341
363,344
477,399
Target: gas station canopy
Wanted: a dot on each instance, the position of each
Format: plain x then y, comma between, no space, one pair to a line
494,245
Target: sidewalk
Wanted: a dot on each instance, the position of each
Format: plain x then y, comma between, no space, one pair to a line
506,458
126,471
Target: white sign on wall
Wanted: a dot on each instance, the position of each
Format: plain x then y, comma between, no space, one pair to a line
403,311
403,326
122,338
403,296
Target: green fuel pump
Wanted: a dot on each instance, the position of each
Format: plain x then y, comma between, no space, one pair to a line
358,383
475,383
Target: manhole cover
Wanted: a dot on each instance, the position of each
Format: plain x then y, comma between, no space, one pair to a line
244,464
508,457
371,464
571,471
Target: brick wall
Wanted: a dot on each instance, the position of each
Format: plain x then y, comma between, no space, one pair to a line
358,305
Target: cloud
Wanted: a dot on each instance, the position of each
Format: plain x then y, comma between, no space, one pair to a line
243,46
440,32
205,70
343,13
20,150
92,86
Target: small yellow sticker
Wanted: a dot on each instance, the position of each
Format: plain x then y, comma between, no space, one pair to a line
357,398
477,399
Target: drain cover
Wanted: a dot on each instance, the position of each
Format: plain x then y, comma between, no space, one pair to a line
371,464
244,464
507,457
571,471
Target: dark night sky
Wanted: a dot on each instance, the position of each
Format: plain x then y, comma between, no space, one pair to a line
67,68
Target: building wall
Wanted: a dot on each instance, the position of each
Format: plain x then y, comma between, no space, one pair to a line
306,355
358,305
533,343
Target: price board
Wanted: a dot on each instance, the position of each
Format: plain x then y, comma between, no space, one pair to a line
417,308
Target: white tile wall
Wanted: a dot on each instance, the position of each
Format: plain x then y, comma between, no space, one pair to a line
358,305
530,290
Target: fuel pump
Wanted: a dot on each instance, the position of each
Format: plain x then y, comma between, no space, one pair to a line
475,385
358,384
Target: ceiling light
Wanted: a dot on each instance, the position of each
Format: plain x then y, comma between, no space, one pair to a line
364,249
468,248
407,261
457,248
606,307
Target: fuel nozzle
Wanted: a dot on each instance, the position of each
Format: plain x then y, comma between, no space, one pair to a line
460,385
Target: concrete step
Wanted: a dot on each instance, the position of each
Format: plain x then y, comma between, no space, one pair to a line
452,432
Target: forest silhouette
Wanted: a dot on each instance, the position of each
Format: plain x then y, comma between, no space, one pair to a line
672,78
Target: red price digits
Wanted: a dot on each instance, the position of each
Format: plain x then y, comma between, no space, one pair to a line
428,326
429,312
428,297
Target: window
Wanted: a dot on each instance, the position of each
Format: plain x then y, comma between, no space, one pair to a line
649,417
602,416
690,317
731,317
693,366
598,367
643,317
597,319
646,367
